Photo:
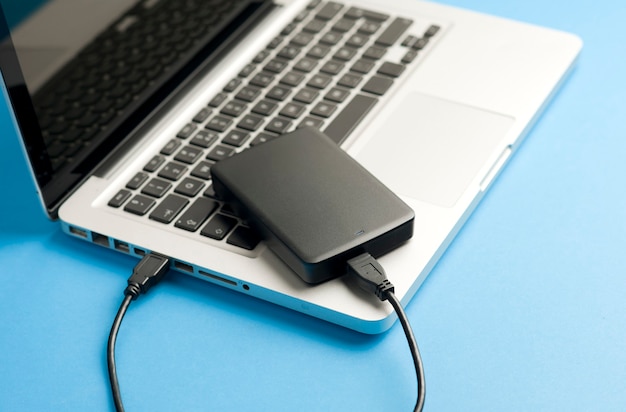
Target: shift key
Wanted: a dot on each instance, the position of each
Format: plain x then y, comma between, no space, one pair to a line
393,32
197,213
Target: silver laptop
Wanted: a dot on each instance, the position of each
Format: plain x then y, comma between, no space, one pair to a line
124,105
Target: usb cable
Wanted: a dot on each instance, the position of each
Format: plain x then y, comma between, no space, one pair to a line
148,272
369,273
371,277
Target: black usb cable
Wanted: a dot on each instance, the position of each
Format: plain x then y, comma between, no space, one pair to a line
369,273
371,277
146,274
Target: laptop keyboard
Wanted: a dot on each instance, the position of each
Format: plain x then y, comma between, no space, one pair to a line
326,69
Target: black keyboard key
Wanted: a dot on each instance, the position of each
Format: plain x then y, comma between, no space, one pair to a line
343,25
202,115
202,170
189,187
172,171
262,79
378,85
431,31
244,237
409,56
319,81
289,52
292,110
393,32
369,27
314,26
154,163
232,85
168,209
357,13
279,93
306,96
119,198
236,138
204,138
275,66
234,108
140,205
170,147
292,79
262,138
264,108
391,69
218,99
247,70
374,52
345,54
137,180
276,41
278,125
318,52
156,187
350,80
337,95
302,39
186,131
219,226
189,155
329,11
362,66
261,56
357,40
197,214
409,41
345,122
324,109
305,65
220,152
332,67
331,38
250,122
311,121
420,43
248,93
219,123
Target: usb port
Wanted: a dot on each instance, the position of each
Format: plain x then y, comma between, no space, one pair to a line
78,232
183,266
121,246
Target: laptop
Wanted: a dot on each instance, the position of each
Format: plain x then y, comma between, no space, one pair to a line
123,107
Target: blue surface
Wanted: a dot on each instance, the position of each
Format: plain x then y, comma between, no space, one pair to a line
525,312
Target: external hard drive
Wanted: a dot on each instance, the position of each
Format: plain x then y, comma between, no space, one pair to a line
314,205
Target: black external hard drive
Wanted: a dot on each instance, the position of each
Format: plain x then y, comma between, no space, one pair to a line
314,205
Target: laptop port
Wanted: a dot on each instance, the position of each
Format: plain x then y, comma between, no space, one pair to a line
78,232
218,278
99,239
183,266
140,252
121,246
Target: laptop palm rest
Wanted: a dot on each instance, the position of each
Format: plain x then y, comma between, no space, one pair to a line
450,143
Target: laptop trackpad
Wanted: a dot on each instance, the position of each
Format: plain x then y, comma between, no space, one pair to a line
430,149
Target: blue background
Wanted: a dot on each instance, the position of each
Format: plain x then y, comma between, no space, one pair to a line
526,311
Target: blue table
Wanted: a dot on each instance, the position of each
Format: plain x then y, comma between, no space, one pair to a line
526,311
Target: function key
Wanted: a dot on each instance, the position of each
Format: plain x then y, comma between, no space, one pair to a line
329,11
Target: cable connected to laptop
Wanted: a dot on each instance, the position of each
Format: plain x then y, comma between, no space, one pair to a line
372,278
148,272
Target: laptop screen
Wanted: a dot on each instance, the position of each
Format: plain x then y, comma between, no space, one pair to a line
82,74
